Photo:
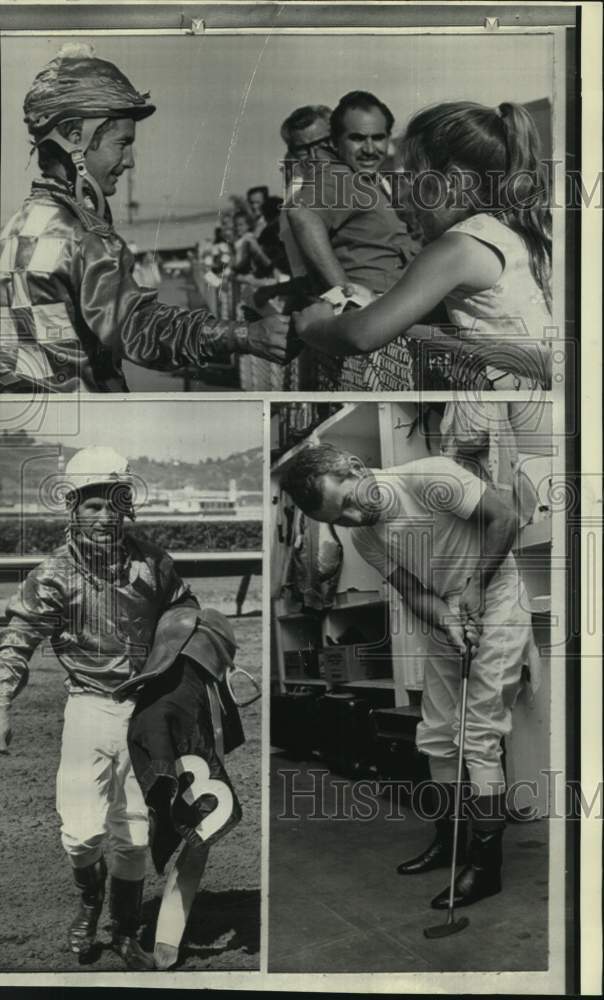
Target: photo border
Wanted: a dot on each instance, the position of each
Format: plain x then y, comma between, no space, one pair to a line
580,399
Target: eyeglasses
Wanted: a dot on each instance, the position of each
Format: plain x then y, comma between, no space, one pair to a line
306,148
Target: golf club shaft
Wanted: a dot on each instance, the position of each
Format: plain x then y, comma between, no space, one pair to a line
462,731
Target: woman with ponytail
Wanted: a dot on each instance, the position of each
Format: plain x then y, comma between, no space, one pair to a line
479,192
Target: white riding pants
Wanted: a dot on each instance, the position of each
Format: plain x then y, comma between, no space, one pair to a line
98,797
506,645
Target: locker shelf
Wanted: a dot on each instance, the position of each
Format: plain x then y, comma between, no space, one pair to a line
293,616
534,534
308,682
379,683
354,418
355,607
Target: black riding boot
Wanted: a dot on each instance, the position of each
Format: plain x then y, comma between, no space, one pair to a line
125,903
439,853
482,875
91,883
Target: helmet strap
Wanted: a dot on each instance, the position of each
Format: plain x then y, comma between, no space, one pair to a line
84,181
77,153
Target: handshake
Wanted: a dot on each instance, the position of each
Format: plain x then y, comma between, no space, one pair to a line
276,336
272,338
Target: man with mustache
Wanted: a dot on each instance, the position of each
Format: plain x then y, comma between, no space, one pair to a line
342,216
70,309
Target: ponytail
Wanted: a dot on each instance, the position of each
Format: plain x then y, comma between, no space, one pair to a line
501,146
523,192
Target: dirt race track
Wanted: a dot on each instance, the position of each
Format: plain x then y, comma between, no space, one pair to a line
37,894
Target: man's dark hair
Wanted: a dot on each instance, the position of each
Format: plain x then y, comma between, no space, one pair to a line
301,479
261,187
302,118
358,100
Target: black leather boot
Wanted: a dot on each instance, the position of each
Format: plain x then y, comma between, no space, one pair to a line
125,903
439,853
482,875
91,883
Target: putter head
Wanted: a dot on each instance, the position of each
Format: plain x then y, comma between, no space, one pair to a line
444,930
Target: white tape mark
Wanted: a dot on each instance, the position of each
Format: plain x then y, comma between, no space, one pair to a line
177,900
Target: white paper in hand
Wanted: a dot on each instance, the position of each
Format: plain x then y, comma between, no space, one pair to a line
339,300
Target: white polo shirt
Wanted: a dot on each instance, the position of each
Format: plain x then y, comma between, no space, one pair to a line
426,524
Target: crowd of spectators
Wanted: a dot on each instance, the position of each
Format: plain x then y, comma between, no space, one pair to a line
246,248
246,252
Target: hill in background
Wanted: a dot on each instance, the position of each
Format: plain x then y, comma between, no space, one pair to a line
25,462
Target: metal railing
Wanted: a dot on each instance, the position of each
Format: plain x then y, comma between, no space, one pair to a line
425,358
14,568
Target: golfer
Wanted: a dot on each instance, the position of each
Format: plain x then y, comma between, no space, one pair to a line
442,538
71,311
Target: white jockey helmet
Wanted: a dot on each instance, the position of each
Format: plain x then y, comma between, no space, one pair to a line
97,466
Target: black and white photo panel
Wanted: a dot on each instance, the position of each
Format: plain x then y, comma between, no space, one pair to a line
417,662
289,210
130,679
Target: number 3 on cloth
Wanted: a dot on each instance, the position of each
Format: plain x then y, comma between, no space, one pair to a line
203,784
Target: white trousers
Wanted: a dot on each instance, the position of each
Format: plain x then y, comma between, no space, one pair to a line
98,797
506,645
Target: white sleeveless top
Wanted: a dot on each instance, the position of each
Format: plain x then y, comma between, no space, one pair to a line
513,307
